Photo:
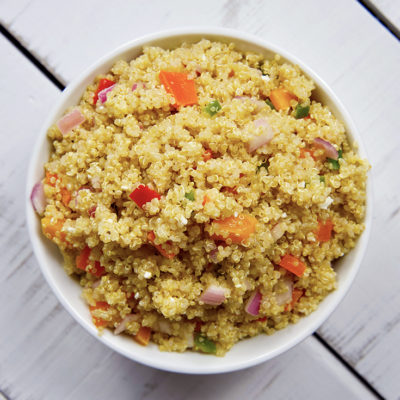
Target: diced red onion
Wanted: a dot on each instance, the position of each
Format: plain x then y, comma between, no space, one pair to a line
263,139
189,338
285,297
259,103
70,121
253,304
278,231
96,284
122,325
38,199
214,295
213,255
103,93
137,85
262,122
165,326
330,151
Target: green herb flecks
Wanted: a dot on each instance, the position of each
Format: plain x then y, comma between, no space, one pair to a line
334,164
213,108
301,111
203,344
269,102
265,165
190,195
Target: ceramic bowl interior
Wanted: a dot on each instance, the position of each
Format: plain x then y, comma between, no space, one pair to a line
248,352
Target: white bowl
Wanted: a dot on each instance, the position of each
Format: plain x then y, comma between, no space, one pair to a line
248,352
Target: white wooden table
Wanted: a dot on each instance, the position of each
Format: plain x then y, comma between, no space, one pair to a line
44,354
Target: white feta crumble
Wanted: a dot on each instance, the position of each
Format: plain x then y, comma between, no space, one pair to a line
137,295
326,203
284,215
183,220
147,275
265,78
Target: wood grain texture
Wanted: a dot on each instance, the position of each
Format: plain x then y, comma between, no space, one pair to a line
351,51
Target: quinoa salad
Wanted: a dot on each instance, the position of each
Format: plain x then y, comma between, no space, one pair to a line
200,196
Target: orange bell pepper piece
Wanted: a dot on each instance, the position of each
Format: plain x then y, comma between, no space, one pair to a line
292,264
236,229
100,305
151,238
143,335
182,88
324,231
207,155
281,98
52,229
82,259
296,294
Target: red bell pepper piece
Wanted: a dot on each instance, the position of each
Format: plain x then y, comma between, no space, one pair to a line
82,260
143,194
151,238
103,84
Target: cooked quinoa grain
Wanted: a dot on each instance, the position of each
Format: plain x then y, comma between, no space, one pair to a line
189,196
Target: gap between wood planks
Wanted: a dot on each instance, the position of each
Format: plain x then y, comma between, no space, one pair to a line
15,42
375,12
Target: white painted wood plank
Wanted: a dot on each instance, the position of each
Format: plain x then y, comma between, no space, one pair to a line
390,9
45,355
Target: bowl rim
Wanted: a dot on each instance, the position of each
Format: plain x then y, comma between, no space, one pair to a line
213,33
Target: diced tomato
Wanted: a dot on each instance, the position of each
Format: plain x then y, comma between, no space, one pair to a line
103,84
65,196
130,296
82,259
229,189
100,305
304,151
182,88
143,194
206,200
151,238
198,324
281,98
296,294
292,264
51,179
237,228
324,231
207,155
143,335
92,211
98,270
52,228
262,319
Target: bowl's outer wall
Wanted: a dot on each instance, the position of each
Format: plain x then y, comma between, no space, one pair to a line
247,352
